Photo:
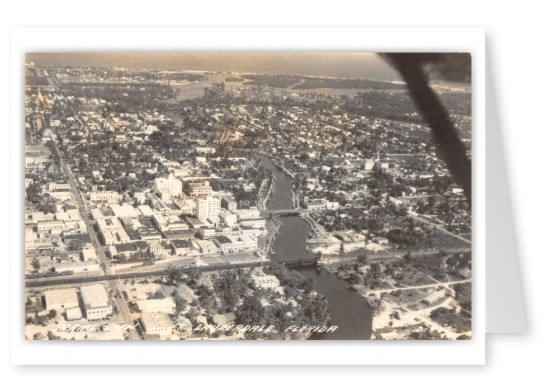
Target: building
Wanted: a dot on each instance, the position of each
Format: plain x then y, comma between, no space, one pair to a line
181,247
369,164
244,214
229,203
206,231
234,244
50,226
61,299
252,231
265,281
55,186
315,205
157,324
207,207
126,249
170,185
228,218
35,163
178,234
111,231
156,248
165,305
198,190
73,313
96,304
109,197
207,247
256,222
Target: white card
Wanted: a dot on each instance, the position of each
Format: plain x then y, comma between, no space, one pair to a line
266,352
505,304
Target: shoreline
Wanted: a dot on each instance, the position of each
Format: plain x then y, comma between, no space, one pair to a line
393,320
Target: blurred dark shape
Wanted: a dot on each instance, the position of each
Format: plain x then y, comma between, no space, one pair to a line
416,68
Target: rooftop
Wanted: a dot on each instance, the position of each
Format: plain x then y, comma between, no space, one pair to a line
156,320
94,296
61,296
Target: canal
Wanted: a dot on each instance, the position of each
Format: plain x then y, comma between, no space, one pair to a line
349,311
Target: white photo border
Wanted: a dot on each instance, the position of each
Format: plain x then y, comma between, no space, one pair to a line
24,352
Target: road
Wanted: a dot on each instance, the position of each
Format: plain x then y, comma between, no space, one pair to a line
438,227
399,254
435,285
133,274
120,303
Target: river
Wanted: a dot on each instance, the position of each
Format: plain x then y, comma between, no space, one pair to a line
349,311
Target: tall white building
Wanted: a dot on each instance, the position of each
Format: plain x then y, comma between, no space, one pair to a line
207,207
171,185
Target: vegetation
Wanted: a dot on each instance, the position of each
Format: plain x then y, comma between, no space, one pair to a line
35,263
448,317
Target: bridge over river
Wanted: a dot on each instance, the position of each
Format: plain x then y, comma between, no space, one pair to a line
284,212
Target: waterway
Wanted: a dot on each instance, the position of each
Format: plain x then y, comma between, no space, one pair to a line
349,311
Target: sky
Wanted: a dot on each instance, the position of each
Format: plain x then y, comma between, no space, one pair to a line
352,65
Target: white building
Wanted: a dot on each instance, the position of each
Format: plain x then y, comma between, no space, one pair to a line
157,324
61,299
207,246
369,164
198,190
181,247
228,218
251,213
234,244
110,197
171,185
265,281
207,207
165,305
97,305
54,186
73,313
51,226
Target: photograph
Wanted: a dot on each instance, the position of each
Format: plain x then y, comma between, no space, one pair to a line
228,195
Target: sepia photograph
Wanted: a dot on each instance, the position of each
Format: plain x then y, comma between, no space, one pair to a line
248,196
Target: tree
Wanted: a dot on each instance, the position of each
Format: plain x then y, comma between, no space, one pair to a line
159,295
35,264
193,274
173,274
52,336
250,312
52,314
33,193
179,301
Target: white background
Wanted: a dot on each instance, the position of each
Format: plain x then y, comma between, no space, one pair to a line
518,52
